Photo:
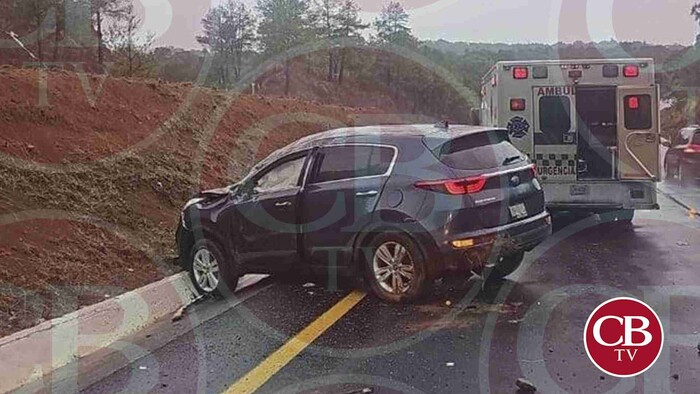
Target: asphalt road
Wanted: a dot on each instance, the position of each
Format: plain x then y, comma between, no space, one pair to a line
462,338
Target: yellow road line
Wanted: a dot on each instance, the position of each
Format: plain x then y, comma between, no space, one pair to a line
254,379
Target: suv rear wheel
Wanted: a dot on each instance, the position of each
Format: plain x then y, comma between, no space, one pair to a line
209,271
395,268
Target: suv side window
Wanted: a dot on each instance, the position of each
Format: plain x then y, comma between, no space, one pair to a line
284,175
696,138
353,161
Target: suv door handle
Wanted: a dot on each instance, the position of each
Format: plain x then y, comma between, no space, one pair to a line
283,204
370,193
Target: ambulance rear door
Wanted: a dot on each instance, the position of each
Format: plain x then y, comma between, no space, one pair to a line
638,132
555,133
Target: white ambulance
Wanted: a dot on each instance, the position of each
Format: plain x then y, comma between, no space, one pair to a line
591,126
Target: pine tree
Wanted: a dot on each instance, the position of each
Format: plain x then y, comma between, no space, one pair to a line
392,26
285,24
229,32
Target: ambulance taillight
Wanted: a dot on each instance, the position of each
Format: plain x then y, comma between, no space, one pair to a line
517,104
520,73
631,71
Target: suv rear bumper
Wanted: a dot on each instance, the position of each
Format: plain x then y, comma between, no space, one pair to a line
506,240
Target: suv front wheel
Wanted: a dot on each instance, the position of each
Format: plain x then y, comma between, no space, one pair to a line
395,268
209,271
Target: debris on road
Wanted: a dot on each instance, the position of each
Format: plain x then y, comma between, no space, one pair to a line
177,316
448,303
676,376
143,367
525,385
309,284
450,364
682,243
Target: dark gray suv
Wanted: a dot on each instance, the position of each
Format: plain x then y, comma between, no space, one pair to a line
399,205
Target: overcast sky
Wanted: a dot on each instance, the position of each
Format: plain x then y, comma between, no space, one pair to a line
176,22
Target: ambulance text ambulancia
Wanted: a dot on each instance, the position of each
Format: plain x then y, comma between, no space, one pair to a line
591,126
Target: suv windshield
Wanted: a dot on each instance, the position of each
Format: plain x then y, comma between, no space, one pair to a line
478,151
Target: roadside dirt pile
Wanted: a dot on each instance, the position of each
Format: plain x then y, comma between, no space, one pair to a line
94,171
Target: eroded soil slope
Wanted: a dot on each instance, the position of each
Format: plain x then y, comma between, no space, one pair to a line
93,172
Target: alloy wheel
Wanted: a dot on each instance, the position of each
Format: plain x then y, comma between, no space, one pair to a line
393,267
206,270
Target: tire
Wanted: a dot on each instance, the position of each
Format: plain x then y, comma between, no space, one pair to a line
210,272
400,261
505,266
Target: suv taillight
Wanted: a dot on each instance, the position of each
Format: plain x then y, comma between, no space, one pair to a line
692,149
455,187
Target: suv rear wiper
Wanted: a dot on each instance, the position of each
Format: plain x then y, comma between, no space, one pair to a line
512,160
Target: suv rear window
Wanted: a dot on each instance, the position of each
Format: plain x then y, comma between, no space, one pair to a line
479,151
352,161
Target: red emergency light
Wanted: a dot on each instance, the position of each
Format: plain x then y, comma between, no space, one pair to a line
631,71
633,102
520,72
517,104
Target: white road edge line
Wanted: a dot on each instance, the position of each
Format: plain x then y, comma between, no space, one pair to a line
28,355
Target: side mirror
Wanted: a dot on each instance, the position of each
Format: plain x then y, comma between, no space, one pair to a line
665,142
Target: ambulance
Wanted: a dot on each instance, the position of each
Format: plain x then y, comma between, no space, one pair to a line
591,127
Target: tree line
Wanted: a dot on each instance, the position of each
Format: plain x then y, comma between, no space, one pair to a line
326,43
119,45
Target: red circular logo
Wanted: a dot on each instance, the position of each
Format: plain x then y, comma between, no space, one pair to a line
623,337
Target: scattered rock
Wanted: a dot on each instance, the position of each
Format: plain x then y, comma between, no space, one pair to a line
682,243
675,376
307,285
525,385
602,377
448,303
450,364
143,367
180,312
551,350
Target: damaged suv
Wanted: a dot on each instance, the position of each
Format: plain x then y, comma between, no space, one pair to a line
399,205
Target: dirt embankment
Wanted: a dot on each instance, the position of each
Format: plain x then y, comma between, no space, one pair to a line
93,173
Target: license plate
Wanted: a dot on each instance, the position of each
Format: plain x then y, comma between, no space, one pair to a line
518,211
579,190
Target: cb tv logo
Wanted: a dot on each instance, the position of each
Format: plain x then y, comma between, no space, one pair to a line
623,337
